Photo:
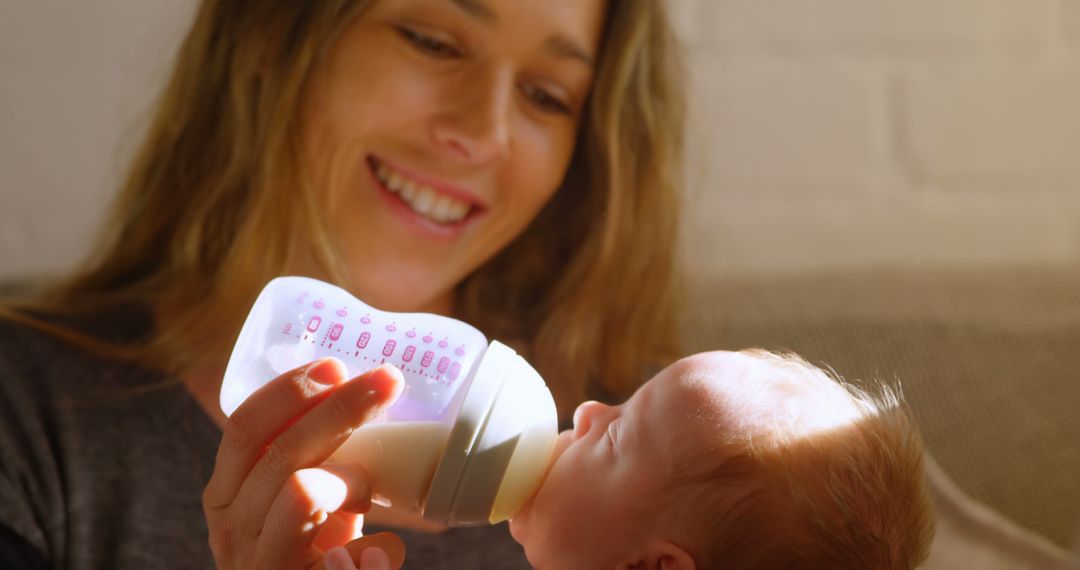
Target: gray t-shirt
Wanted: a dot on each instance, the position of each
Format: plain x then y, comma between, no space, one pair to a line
102,465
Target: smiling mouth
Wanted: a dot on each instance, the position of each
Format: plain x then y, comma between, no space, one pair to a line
422,199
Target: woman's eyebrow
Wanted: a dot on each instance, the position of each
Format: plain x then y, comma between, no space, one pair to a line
478,10
565,47
556,44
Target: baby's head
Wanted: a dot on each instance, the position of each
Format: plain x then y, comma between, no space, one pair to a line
735,460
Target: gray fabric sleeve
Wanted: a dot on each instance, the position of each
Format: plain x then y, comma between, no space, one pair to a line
29,484
17,554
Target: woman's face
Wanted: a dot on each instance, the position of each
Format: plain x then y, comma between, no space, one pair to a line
436,130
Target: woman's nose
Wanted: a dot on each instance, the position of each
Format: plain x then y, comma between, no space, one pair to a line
585,415
474,124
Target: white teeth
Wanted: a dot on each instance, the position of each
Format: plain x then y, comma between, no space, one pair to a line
408,191
458,211
423,200
441,210
394,181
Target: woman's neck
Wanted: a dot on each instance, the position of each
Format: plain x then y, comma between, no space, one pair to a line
204,386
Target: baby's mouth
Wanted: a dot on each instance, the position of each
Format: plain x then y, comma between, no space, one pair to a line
424,200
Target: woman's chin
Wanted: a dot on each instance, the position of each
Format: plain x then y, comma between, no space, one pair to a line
399,297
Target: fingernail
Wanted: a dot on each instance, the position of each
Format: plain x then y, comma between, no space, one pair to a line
328,371
374,558
385,381
337,558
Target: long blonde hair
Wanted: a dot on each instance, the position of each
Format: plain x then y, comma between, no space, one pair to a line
215,197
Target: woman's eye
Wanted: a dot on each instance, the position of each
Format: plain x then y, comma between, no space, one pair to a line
429,45
546,101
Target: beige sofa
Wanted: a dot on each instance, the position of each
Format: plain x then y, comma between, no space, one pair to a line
989,360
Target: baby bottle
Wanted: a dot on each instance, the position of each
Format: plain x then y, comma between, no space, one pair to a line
468,440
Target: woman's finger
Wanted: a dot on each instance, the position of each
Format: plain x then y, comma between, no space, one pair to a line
357,480
387,542
338,559
312,438
373,558
340,528
297,516
382,544
346,522
262,416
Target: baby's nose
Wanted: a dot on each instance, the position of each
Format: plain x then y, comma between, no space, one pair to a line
584,416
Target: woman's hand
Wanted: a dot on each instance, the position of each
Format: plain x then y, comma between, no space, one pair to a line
267,505
371,558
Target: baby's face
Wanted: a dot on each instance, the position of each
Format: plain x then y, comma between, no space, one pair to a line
595,506
604,499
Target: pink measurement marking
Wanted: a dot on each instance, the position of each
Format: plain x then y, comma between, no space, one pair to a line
361,342
335,331
302,297
319,304
287,329
460,350
343,312
313,324
388,348
366,320
411,334
409,352
444,364
426,360
428,338
455,371
443,343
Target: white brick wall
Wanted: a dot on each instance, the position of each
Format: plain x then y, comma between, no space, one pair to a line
764,122
843,133
865,27
1007,126
1071,20
76,78
831,133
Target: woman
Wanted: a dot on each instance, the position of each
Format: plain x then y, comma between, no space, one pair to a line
510,163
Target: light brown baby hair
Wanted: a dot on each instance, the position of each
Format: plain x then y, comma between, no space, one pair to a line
826,476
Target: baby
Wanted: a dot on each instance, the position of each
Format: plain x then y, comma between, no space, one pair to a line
734,460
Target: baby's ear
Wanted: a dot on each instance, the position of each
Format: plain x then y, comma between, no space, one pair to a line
660,555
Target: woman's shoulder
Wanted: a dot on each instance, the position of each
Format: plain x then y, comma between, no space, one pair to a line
25,354
86,443
24,345
38,358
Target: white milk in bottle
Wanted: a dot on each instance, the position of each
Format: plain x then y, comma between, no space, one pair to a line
400,457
